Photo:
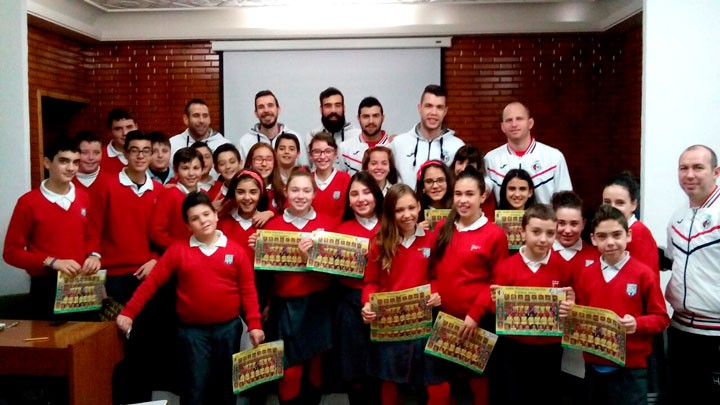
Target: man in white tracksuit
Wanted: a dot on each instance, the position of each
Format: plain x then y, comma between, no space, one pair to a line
267,111
546,165
428,140
371,117
332,115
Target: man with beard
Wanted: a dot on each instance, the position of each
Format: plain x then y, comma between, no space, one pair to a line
332,110
197,119
371,117
428,140
267,110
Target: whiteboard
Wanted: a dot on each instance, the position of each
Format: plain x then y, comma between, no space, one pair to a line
396,77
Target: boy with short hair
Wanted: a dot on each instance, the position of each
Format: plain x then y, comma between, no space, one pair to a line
208,174
226,159
89,175
166,225
631,289
215,279
119,122
534,360
48,230
160,168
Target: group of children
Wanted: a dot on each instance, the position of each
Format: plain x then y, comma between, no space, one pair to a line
150,223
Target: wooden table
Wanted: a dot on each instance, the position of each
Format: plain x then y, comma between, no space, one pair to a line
84,352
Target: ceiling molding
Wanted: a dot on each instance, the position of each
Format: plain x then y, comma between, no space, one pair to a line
323,21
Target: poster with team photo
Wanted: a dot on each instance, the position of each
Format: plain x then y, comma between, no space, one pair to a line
528,311
79,293
401,315
339,254
597,331
278,251
433,216
511,222
259,365
445,342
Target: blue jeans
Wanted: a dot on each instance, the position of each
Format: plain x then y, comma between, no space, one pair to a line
206,356
623,386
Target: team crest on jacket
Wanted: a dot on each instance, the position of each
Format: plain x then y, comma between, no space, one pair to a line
631,289
336,195
536,166
706,221
445,156
229,259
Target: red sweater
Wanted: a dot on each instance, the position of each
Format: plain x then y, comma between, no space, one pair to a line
467,269
210,289
122,219
299,284
586,256
96,185
488,207
39,228
353,227
216,189
556,273
167,224
643,246
635,290
111,165
410,268
332,200
232,229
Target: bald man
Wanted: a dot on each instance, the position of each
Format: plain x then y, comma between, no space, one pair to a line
545,164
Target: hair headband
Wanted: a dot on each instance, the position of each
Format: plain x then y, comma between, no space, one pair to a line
426,164
254,176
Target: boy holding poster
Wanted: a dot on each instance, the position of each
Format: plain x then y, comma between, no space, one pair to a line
631,289
214,281
534,360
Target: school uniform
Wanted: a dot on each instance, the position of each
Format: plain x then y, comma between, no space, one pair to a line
545,164
90,182
643,246
213,284
45,224
352,335
533,361
352,150
300,313
113,161
330,197
218,190
409,268
628,287
163,179
167,224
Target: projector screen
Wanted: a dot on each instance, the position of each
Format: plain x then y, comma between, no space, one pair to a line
395,76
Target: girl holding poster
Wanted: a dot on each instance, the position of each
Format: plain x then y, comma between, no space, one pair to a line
398,259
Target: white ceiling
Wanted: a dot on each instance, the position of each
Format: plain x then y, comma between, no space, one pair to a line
126,20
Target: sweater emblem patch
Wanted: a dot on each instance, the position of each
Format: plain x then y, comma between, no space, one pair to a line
229,259
475,247
83,212
425,252
631,289
589,262
336,195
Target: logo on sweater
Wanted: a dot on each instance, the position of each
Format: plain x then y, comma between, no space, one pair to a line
425,252
83,212
475,247
555,283
336,195
229,259
631,289
589,262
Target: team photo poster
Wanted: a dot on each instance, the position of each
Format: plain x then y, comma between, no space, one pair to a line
79,293
433,216
278,250
259,365
511,222
597,331
529,311
401,315
445,342
338,254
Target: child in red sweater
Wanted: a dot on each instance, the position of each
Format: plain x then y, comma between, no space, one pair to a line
89,176
226,159
631,289
300,307
362,218
166,225
49,232
468,250
332,184
214,283
399,258
568,243
433,188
